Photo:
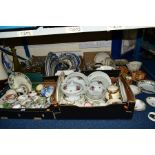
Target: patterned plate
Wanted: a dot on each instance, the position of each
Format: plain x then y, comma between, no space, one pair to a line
16,79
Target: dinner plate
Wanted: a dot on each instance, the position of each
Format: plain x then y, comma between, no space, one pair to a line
136,90
17,79
147,86
151,101
139,105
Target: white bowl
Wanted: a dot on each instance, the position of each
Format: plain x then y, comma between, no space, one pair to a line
134,66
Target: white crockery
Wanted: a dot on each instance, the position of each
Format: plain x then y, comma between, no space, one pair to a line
134,66
147,86
151,116
139,105
95,89
151,101
72,90
136,90
100,57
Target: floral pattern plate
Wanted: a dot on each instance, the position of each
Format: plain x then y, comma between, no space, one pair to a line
17,79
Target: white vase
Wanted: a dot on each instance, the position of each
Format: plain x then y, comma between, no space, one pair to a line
3,74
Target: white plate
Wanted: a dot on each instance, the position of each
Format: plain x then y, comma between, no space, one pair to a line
17,79
104,76
139,105
77,77
136,90
151,101
147,86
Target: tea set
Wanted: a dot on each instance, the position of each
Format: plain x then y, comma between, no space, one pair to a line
87,91
21,94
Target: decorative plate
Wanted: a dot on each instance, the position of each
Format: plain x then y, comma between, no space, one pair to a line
151,101
77,77
136,90
96,89
147,86
17,79
102,75
140,105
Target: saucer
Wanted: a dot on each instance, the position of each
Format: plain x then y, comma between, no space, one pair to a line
151,101
147,86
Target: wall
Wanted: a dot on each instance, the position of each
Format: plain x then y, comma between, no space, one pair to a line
80,47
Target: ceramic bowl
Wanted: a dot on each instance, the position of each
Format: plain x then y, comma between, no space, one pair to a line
134,66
